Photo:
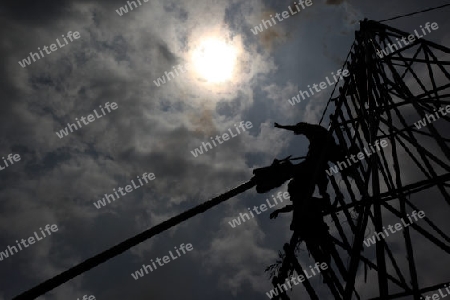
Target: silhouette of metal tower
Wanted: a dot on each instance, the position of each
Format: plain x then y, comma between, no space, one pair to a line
384,97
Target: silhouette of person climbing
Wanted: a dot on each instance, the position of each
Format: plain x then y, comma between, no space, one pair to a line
307,211
322,149
321,141
308,224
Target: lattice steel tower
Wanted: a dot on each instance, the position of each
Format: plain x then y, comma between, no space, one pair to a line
383,98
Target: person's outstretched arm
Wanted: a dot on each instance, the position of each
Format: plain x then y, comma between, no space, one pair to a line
287,127
286,209
299,128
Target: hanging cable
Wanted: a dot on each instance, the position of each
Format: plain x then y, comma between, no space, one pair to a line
415,13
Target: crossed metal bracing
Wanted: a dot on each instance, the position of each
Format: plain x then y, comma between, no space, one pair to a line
382,99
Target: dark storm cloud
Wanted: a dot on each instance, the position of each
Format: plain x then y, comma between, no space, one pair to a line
34,13
153,130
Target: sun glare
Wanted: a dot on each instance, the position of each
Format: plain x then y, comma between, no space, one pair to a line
214,60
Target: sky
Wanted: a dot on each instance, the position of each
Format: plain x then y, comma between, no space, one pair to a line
233,76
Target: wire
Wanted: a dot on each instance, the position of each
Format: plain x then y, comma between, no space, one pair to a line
334,89
415,13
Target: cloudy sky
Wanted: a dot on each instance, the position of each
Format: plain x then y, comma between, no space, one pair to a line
155,128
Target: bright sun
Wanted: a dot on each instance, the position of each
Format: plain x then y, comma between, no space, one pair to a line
214,60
